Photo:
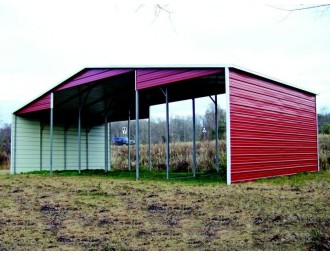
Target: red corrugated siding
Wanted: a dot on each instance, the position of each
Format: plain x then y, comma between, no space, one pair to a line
273,128
147,78
86,76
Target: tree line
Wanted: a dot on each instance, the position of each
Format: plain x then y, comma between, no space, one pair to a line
5,143
181,128
324,123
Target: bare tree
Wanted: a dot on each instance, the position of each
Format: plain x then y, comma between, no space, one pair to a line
302,7
5,145
209,122
158,10
321,8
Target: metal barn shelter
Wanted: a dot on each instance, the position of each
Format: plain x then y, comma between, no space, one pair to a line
271,126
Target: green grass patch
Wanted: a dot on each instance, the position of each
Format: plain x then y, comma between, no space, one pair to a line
297,179
202,178
209,177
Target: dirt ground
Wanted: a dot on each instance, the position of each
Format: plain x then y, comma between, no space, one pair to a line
40,212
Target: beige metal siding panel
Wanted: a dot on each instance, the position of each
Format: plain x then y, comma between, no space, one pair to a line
72,149
58,144
96,147
27,145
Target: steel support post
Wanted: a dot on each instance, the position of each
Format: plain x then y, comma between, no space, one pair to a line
228,135
15,144
149,141
87,160
79,140
167,137
194,137
216,133
129,141
136,131
51,133
41,142
106,142
65,146
109,127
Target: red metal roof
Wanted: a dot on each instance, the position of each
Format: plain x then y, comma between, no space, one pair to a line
83,77
154,77
92,75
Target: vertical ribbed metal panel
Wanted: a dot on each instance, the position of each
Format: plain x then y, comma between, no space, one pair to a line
147,78
273,128
84,77
28,147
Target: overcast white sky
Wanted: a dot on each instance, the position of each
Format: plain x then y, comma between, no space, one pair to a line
42,44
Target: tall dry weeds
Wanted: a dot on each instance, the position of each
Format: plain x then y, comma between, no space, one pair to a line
4,160
181,156
324,152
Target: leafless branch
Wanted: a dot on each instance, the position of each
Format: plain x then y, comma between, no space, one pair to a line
301,8
140,7
160,8
324,8
163,8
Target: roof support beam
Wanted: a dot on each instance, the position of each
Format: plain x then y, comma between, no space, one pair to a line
79,94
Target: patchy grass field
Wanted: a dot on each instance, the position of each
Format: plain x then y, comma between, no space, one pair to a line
114,212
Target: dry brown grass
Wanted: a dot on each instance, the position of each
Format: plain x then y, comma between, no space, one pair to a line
4,160
324,145
180,156
41,212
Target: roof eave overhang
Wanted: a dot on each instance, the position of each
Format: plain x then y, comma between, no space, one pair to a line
164,66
